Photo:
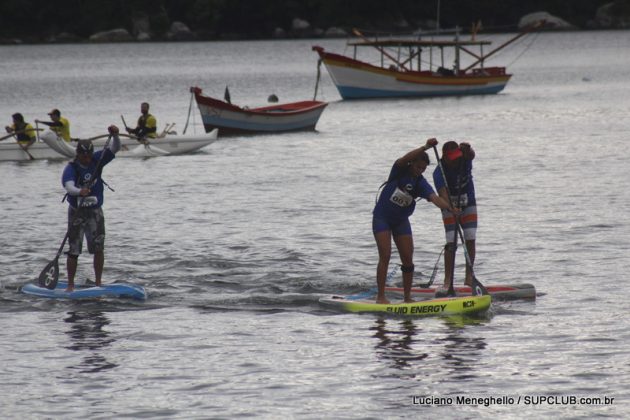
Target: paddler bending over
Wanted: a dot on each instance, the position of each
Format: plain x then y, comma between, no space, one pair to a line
24,132
82,180
457,164
395,204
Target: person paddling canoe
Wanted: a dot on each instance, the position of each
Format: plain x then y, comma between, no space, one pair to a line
59,125
24,132
395,204
147,124
82,180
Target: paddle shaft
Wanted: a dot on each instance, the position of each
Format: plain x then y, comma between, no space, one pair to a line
482,290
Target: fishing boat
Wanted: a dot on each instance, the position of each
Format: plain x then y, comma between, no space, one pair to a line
236,120
407,67
169,144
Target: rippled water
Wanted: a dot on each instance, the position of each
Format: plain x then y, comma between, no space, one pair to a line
236,244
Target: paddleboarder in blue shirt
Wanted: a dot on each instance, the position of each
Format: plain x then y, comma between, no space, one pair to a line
395,204
82,180
457,164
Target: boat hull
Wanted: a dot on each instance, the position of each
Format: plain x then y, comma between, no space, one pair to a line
233,120
358,80
171,144
11,151
473,305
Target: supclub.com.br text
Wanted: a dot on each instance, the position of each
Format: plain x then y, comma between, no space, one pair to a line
517,400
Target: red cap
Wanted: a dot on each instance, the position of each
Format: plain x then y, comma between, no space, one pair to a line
453,154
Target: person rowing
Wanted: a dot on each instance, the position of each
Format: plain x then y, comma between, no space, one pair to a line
23,132
147,124
390,218
59,125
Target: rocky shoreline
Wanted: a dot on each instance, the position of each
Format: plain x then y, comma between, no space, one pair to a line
605,19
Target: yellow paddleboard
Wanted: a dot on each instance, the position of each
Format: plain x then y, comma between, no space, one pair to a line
465,305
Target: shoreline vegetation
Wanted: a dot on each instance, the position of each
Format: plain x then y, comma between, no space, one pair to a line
98,21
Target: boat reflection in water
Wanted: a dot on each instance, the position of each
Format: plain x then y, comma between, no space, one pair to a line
88,337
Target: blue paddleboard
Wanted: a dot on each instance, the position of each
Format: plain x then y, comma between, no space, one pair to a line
117,290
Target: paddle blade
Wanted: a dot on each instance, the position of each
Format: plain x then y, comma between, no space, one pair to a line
50,275
478,289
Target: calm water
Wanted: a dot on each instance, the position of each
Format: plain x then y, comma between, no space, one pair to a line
236,244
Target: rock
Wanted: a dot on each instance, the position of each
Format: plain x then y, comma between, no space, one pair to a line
180,32
279,33
64,37
115,35
615,15
551,22
300,25
335,32
143,37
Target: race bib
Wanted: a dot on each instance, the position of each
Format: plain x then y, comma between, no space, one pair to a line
401,198
460,201
88,201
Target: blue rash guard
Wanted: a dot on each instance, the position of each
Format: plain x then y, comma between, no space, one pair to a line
81,177
460,183
398,200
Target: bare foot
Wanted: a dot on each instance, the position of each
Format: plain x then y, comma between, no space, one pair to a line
382,300
409,300
69,289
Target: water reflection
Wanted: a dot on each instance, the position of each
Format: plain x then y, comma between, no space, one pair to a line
412,352
88,337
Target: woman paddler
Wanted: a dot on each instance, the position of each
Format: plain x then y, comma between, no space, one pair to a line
395,204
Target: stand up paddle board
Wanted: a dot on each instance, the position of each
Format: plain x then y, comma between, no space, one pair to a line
500,292
472,305
117,290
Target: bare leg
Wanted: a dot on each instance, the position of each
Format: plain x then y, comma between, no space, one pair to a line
99,262
384,246
71,267
449,263
471,247
404,243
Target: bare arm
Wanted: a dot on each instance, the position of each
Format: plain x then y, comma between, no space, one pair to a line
413,155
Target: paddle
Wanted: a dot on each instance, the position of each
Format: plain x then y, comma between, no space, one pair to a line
49,276
373,290
17,132
477,287
154,151
25,149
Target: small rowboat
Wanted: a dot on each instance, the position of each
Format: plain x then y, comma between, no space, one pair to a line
234,120
170,144
471,305
502,292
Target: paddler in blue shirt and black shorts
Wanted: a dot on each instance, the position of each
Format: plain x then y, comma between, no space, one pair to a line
82,180
457,164
395,204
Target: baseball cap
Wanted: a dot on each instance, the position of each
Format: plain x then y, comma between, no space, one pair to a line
85,147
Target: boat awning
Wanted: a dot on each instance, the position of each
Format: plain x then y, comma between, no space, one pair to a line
415,43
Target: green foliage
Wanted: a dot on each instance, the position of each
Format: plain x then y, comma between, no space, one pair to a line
38,19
